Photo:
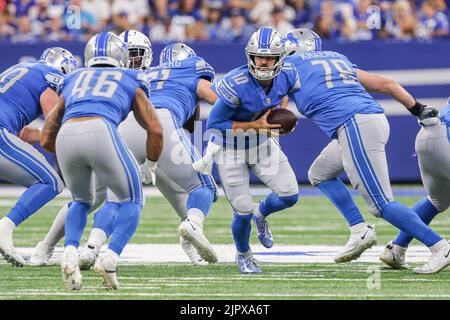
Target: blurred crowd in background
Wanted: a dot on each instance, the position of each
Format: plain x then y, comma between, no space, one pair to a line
29,21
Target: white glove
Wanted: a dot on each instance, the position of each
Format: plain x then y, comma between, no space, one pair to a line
204,165
148,170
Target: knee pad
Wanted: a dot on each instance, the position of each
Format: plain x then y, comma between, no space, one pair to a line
243,204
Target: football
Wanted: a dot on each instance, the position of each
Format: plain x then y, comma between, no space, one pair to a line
286,118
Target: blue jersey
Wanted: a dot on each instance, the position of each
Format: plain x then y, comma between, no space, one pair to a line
240,91
330,93
104,92
21,87
174,86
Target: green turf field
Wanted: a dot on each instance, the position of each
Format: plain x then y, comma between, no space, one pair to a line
312,221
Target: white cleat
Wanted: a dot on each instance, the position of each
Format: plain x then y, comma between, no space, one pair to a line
69,268
192,253
7,249
41,254
193,232
106,266
87,256
436,262
394,256
357,244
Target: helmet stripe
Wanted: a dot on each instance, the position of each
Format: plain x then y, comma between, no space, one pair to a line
101,44
126,37
264,38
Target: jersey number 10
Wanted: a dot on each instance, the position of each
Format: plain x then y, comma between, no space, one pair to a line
345,71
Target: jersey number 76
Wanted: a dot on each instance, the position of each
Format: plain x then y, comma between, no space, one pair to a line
345,71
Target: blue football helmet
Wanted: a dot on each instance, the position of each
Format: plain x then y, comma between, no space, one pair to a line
106,48
60,59
301,40
265,42
176,52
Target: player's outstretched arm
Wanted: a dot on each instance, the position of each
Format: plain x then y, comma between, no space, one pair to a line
379,84
220,118
205,92
30,135
52,125
147,118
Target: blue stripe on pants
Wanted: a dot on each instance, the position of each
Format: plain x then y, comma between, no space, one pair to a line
364,167
27,162
129,166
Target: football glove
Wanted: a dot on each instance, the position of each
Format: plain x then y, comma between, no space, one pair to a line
429,116
204,165
148,170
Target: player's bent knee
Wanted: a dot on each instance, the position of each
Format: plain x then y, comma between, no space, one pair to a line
243,204
314,177
377,213
440,205
288,188
289,201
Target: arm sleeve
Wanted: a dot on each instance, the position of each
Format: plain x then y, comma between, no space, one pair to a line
220,116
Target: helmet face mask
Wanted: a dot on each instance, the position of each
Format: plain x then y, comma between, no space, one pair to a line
59,58
265,42
106,49
176,52
139,49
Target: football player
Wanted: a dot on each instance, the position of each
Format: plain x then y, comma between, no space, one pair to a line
334,95
187,78
82,129
180,80
27,90
433,151
238,119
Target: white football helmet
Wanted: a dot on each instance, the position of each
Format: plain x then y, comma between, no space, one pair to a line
265,42
106,48
139,49
301,40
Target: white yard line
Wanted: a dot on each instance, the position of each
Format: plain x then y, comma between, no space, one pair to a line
137,254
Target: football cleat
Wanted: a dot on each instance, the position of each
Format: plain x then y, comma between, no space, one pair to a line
247,264
106,266
263,230
7,249
193,232
394,256
192,253
436,262
87,256
69,268
41,254
357,244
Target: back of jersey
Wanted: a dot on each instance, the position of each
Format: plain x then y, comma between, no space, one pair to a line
174,86
330,93
21,87
103,92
